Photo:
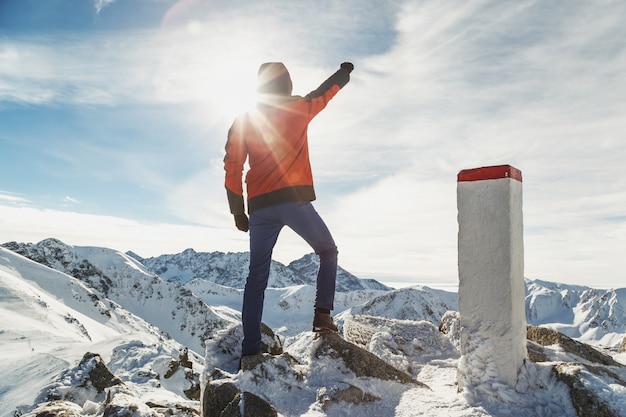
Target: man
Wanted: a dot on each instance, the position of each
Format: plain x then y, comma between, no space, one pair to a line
279,187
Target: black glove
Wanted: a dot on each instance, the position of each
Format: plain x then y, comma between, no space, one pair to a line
347,66
241,221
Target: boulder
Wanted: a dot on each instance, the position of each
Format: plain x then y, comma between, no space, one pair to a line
361,362
586,381
586,401
99,376
547,337
185,365
225,347
56,408
328,396
217,396
338,371
224,399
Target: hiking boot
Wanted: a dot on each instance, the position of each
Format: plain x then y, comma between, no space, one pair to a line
323,322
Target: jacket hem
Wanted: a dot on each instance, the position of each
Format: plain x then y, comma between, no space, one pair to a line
283,195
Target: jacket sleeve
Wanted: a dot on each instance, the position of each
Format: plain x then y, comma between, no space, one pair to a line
236,154
319,98
339,78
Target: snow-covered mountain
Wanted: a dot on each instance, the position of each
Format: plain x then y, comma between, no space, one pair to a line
74,302
231,269
588,314
49,320
122,279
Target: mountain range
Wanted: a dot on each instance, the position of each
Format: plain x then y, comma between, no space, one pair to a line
59,302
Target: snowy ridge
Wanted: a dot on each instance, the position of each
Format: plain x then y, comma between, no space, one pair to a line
120,278
590,315
48,320
139,323
231,269
413,303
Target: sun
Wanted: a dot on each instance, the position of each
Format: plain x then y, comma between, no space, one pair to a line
234,88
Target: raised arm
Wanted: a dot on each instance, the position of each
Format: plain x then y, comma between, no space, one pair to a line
339,78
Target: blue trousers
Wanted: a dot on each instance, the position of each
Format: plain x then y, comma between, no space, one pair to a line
265,226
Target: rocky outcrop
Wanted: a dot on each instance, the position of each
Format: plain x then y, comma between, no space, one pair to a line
547,337
349,394
586,370
90,388
222,398
586,401
337,372
622,346
193,392
360,361
90,375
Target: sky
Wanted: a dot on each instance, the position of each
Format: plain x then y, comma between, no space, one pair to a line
114,113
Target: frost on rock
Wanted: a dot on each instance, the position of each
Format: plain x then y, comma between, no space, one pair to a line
56,408
86,382
404,344
224,350
548,337
330,371
596,382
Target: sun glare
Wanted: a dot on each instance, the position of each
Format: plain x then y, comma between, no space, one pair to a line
237,88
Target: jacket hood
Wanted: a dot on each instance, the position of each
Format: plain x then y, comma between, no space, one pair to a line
274,80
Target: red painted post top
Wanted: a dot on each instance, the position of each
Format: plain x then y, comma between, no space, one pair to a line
490,173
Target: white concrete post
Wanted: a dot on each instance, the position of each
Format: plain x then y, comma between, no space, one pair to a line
491,275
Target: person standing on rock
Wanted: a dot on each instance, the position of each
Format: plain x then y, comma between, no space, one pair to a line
279,186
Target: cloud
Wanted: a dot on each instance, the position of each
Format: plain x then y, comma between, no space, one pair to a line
29,224
452,85
69,200
101,4
12,198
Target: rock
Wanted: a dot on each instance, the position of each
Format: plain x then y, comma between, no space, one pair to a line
600,373
328,396
99,377
184,364
536,352
57,408
622,346
270,342
262,380
193,392
547,337
121,402
225,347
585,401
360,361
255,406
80,381
184,359
217,396
224,399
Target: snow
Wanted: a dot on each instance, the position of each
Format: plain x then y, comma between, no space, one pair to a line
41,336
49,320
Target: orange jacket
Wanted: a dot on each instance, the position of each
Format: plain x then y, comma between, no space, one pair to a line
274,140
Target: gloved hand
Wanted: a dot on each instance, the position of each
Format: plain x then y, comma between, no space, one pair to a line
241,221
347,66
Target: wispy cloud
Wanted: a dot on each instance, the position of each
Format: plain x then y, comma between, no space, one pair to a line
29,224
12,198
449,85
100,4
